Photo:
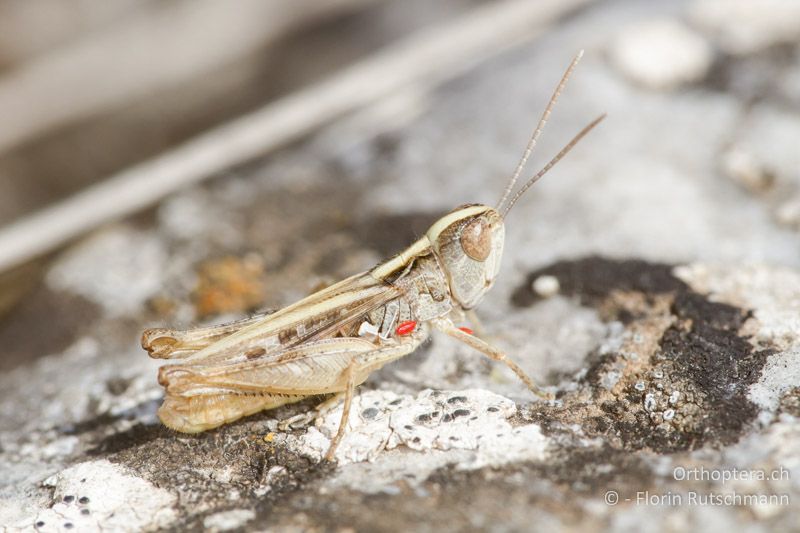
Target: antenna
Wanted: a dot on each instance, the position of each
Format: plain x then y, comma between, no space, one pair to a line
539,127
564,151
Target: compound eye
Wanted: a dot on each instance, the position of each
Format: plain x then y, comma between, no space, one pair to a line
476,240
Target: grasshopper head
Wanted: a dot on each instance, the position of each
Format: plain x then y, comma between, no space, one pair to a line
469,240
469,244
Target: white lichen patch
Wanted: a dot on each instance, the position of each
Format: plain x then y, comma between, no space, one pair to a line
119,269
472,420
82,501
227,520
661,54
774,451
780,374
773,293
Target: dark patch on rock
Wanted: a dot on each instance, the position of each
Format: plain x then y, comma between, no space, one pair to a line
751,77
105,421
118,386
790,402
690,390
215,470
135,437
88,425
722,365
593,470
712,315
439,503
593,278
230,467
369,412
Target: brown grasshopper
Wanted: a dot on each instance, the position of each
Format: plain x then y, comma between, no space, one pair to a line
330,341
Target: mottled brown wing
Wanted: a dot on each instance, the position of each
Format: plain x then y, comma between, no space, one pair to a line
313,317
165,343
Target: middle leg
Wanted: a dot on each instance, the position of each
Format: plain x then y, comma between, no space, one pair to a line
348,400
361,365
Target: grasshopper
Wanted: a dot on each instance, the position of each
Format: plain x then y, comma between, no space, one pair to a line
330,341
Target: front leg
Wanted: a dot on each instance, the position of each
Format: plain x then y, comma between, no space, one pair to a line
446,326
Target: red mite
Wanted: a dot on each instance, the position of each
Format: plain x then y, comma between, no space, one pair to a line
406,328
467,331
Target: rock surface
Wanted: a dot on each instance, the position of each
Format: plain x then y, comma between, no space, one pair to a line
672,336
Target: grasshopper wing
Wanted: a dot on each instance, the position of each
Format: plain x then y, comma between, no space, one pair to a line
317,316
163,343
278,359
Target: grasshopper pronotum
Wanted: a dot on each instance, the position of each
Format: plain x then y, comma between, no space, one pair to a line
330,341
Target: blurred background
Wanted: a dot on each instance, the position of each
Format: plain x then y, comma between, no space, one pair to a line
186,161
109,108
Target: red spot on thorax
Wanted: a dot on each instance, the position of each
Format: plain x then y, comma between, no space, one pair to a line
467,331
406,328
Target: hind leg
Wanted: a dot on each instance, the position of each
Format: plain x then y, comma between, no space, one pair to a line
303,419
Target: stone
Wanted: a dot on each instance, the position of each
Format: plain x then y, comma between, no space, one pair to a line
546,286
744,27
661,54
